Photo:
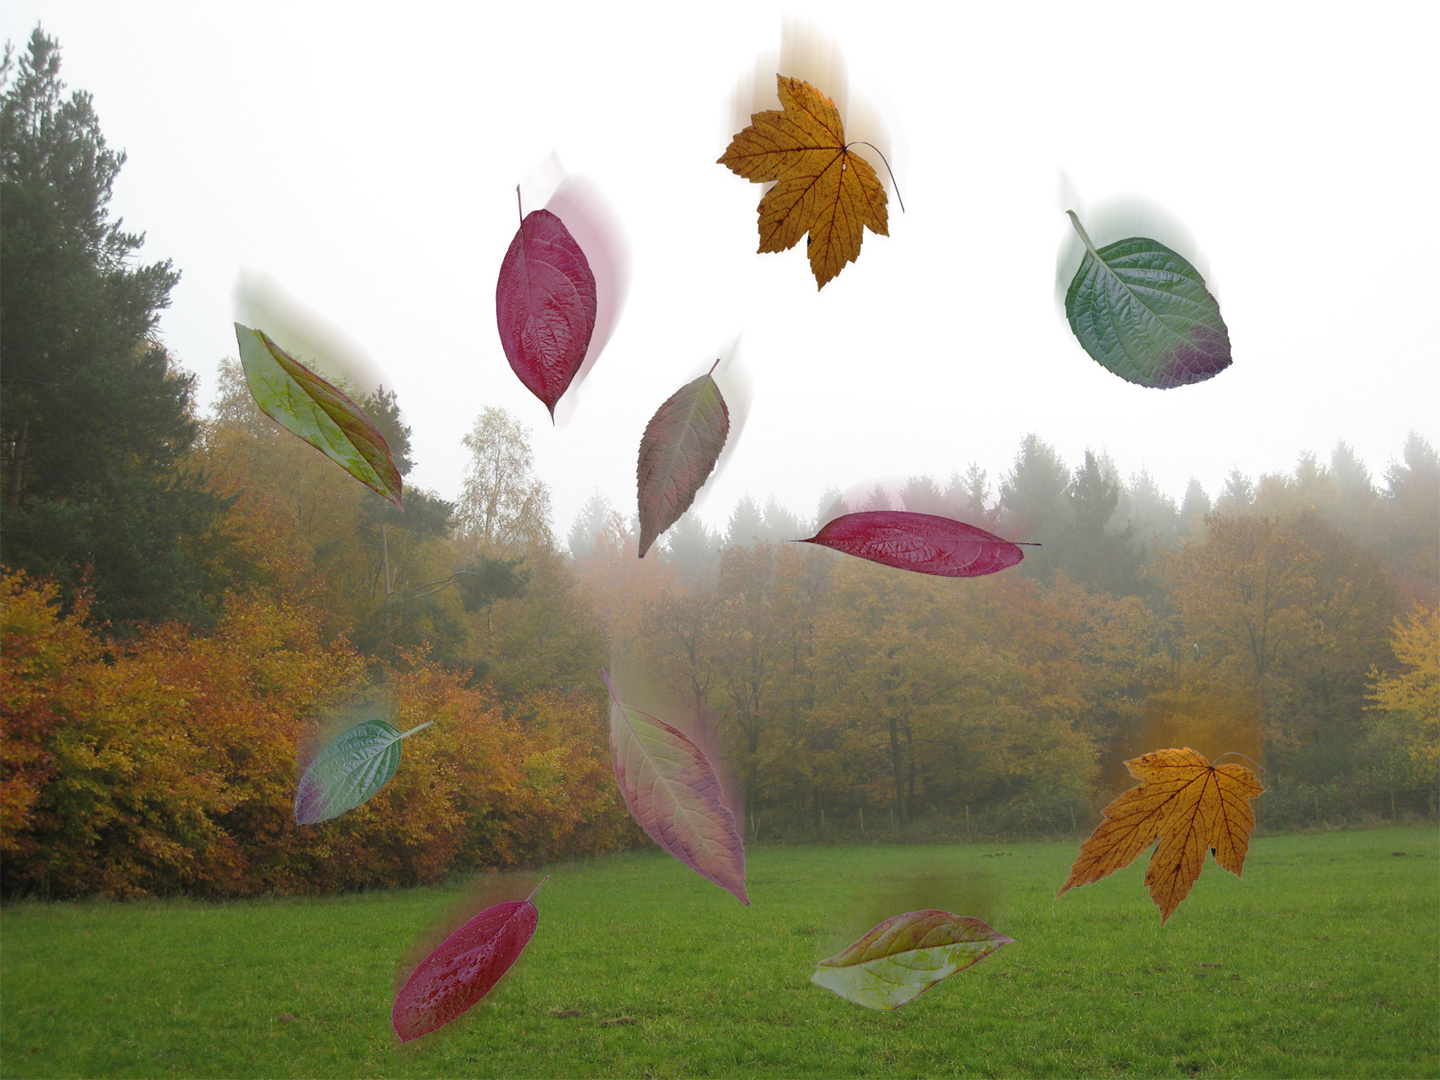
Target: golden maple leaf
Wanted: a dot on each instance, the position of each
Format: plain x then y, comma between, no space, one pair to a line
1186,802
821,187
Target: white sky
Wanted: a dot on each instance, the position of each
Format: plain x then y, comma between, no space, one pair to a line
364,159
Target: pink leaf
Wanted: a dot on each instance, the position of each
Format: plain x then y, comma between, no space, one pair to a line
921,542
672,791
677,452
465,967
545,306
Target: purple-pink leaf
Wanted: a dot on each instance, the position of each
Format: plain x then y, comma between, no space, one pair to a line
925,543
672,792
677,453
464,968
545,306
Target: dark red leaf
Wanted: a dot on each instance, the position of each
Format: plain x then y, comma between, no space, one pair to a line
465,968
922,542
545,306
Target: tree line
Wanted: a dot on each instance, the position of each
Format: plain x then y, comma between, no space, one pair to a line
1272,622
189,599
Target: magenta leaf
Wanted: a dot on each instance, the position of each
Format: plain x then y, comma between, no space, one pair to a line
465,967
672,792
924,543
545,306
677,453
905,955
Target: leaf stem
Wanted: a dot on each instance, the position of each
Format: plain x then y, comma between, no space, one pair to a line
1238,754
609,687
1083,234
537,888
713,366
895,183
412,731
518,207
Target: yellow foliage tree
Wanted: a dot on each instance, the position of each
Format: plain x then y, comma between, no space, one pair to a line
1413,695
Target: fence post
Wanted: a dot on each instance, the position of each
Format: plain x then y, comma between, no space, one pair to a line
822,819
968,834
1392,804
1317,806
892,819
862,821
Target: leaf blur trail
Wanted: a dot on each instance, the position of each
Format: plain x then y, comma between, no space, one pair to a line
1143,312
324,416
678,451
1190,805
672,792
545,305
905,955
820,186
350,770
465,967
925,543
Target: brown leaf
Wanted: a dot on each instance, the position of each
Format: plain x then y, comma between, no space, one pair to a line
820,186
1189,805
678,451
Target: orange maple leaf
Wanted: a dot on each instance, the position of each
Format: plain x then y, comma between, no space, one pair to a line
1186,802
820,186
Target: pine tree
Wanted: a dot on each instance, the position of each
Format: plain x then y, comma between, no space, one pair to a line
94,415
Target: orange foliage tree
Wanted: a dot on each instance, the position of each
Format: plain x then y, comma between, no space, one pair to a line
171,764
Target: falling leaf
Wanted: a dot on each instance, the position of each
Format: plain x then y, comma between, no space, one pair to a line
545,305
672,791
921,542
303,403
677,452
821,186
1187,803
906,955
350,770
465,967
1144,313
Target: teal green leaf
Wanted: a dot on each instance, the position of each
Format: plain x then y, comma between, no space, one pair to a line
350,770
305,404
1143,312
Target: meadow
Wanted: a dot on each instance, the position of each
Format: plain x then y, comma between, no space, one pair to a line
1322,961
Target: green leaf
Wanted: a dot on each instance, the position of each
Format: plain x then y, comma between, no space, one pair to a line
303,403
350,770
904,956
1143,313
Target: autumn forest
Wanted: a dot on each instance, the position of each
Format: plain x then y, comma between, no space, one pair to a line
192,600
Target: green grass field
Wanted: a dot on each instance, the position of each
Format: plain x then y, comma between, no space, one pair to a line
1321,962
